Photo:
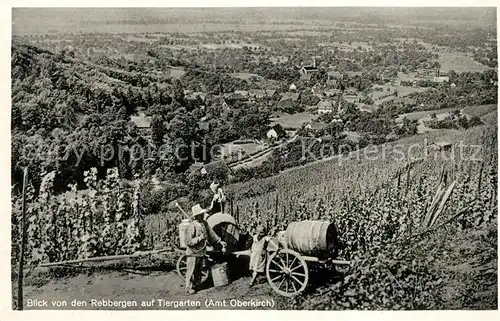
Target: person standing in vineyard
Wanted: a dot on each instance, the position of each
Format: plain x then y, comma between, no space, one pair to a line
198,234
218,200
258,253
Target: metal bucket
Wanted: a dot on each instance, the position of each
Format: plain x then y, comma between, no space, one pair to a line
220,274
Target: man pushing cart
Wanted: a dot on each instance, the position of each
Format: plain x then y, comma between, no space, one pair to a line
198,235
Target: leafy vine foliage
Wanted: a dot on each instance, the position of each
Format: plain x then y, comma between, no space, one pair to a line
105,219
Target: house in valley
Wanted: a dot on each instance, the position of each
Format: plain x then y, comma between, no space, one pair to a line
243,93
315,126
405,101
278,59
332,82
218,167
326,107
290,96
258,94
318,90
307,71
204,124
353,74
440,79
197,95
351,95
332,92
334,75
275,131
142,122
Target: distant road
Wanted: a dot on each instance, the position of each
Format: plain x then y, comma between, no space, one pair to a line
260,156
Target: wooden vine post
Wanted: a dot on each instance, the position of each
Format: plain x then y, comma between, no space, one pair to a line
408,178
480,177
23,240
276,204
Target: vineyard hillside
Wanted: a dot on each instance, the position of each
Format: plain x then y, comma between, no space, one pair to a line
441,259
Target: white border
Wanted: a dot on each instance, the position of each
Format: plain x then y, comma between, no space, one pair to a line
5,91
252,3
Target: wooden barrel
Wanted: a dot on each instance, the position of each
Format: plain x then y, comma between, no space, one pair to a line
225,227
220,275
312,238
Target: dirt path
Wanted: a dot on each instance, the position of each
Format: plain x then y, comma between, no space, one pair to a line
153,287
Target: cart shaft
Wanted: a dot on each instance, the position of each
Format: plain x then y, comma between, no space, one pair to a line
315,259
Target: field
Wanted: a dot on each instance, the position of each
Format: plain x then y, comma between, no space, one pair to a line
380,101
62,27
490,118
244,75
347,47
470,111
168,20
179,47
243,149
401,90
406,76
480,111
131,20
459,62
368,108
253,161
377,94
126,21
214,46
139,38
421,114
176,73
295,121
405,91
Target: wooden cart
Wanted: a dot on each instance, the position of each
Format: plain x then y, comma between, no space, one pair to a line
287,271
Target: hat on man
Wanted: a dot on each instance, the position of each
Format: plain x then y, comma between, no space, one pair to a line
197,210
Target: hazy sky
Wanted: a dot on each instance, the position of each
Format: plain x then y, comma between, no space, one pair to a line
39,20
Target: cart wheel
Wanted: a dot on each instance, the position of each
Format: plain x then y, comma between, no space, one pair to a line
182,267
287,272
